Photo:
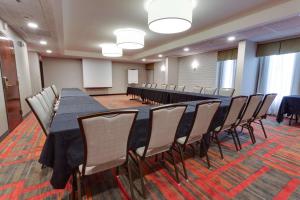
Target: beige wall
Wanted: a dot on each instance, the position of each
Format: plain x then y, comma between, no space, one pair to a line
159,76
35,74
66,73
21,55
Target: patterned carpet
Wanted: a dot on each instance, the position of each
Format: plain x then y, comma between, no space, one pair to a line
270,169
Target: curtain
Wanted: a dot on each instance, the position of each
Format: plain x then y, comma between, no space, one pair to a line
227,71
279,74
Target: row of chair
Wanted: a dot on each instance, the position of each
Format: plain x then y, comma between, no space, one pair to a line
44,105
97,132
197,89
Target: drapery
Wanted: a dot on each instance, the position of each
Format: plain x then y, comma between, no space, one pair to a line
279,74
227,72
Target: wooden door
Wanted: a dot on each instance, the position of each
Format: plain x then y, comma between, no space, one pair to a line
10,83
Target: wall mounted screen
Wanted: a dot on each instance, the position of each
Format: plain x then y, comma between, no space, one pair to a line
133,76
96,73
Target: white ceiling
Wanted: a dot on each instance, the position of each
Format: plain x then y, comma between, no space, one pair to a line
77,27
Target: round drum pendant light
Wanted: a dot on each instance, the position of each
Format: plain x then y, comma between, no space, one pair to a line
170,16
129,38
111,50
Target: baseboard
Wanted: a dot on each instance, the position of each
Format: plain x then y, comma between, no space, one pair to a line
95,95
4,135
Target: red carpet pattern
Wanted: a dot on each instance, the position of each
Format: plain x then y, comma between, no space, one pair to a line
270,169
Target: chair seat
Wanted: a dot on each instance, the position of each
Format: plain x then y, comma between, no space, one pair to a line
99,168
150,152
181,140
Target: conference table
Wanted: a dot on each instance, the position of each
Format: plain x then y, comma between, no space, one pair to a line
290,105
63,150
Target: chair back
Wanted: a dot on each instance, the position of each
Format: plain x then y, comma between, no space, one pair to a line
228,92
164,121
210,91
265,105
164,86
43,102
50,94
251,107
47,99
55,91
154,85
105,137
171,87
204,115
236,107
197,89
180,88
148,85
40,113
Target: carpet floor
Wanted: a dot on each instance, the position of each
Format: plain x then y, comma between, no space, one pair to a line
269,169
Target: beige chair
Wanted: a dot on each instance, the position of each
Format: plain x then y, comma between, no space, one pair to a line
171,87
164,86
180,88
208,90
228,92
247,117
197,89
143,84
153,85
204,115
55,91
148,85
47,99
163,125
40,113
43,102
105,137
236,107
51,95
263,109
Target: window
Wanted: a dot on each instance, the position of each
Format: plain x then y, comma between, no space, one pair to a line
227,70
277,76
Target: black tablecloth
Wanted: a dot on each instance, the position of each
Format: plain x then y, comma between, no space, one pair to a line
289,105
63,150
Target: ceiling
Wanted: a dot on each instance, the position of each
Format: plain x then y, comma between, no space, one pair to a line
75,27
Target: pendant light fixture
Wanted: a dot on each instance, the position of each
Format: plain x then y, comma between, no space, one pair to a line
129,38
111,50
170,16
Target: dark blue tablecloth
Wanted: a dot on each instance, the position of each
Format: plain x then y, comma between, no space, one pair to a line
63,150
289,105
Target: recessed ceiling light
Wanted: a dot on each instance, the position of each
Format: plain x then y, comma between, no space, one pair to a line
32,25
160,55
144,59
43,42
231,38
186,49
48,51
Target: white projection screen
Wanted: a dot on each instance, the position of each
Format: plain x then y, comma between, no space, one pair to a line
133,76
97,73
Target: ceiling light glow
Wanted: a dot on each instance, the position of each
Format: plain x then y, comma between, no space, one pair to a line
160,55
129,38
4,38
186,49
162,19
111,50
144,59
49,51
43,42
32,25
231,38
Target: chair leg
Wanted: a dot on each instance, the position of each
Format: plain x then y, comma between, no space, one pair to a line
175,167
142,177
233,137
130,180
251,132
206,154
78,181
182,162
238,139
263,128
290,122
219,145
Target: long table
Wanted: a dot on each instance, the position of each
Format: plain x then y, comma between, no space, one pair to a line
290,105
63,150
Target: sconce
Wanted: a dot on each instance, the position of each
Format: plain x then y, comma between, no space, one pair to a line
195,65
163,68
